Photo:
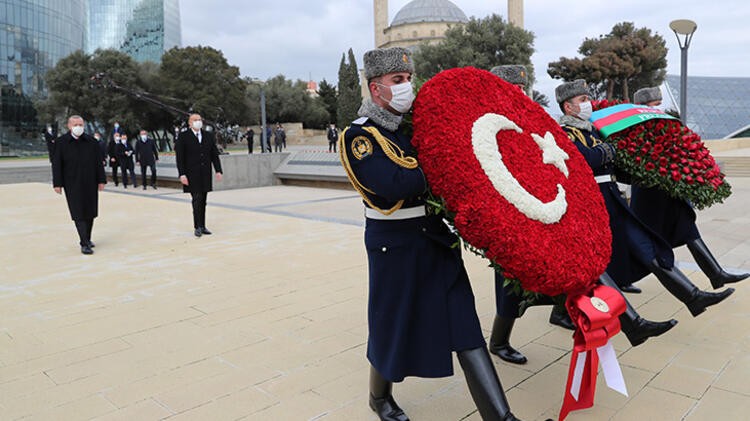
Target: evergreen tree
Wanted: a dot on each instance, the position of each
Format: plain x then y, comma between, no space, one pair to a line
329,97
617,63
350,91
481,43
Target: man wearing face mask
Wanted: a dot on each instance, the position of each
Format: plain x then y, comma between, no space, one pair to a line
49,139
146,155
77,168
420,304
195,151
333,137
636,249
674,219
125,159
112,153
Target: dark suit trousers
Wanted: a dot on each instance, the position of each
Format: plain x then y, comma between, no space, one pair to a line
115,167
153,174
128,168
199,209
84,228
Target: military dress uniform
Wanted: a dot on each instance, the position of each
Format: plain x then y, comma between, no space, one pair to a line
633,242
421,306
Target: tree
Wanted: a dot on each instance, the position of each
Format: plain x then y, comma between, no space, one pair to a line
288,100
540,98
329,97
617,63
481,43
202,77
71,90
350,91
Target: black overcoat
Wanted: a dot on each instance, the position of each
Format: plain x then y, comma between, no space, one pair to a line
194,160
146,152
77,168
673,219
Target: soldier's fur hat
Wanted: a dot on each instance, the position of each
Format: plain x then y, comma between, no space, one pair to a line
646,95
382,61
511,73
571,89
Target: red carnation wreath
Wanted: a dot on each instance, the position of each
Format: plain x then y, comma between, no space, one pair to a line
518,191
665,154
550,250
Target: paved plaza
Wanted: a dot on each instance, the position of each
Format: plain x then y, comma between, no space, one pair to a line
266,318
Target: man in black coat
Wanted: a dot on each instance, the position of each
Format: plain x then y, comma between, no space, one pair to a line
77,168
125,158
333,137
102,147
49,139
195,151
114,140
250,136
146,155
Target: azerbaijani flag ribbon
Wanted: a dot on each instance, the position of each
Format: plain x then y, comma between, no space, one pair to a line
611,120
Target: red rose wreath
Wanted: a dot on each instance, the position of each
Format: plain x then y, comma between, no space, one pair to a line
661,152
520,192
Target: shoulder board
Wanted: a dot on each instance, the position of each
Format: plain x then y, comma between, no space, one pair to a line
360,121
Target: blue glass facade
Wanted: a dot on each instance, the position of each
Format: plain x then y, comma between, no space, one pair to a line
34,35
716,106
144,29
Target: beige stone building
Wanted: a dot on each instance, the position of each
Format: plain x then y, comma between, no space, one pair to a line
417,22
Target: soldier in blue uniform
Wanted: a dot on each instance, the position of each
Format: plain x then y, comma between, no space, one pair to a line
636,249
674,219
420,304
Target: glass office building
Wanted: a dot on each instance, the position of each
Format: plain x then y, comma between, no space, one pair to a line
34,35
717,107
144,29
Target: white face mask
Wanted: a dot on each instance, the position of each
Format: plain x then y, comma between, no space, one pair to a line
585,110
197,124
144,137
402,97
117,126
77,131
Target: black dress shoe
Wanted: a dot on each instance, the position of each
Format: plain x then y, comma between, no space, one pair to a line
91,244
86,250
641,329
153,186
561,319
144,187
703,299
198,232
205,231
509,354
387,409
630,288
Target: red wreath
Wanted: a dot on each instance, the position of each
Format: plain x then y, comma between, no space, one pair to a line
666,154
549,258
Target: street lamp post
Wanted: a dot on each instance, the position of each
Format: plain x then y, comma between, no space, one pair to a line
684,27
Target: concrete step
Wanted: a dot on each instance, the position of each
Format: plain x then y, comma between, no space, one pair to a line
735,166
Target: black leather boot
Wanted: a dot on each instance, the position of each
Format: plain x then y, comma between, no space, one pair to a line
381,398
559,316
636,328
500,341
681,288
708,264
484,385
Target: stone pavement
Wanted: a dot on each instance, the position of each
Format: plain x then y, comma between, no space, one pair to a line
265,319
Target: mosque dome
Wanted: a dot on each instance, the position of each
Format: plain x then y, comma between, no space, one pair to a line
417,11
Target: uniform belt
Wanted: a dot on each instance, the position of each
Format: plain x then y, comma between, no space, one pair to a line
406,213
609,178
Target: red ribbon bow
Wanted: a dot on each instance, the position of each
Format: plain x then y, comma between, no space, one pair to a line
595,316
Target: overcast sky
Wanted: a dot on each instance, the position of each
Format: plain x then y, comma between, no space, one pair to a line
304,39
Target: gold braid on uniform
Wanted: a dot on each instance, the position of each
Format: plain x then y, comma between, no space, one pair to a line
391,150
577,134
